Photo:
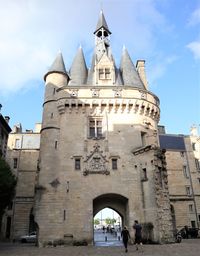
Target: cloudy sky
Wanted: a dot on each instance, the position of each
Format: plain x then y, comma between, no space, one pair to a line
163,32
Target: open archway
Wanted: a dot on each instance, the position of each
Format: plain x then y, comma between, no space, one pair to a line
106,232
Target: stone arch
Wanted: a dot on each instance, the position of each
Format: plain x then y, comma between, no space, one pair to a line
113,201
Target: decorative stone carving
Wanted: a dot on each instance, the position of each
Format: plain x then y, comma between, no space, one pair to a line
74,93
95,163
55,183
95,93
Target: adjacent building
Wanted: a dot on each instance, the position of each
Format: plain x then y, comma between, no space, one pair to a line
22,156
4,132
183,168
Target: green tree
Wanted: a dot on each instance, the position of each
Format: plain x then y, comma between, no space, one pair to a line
7,186
96,221
108,221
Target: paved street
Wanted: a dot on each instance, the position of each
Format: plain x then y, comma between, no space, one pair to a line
190,247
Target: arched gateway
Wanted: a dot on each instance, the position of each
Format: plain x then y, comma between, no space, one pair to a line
99,147
116,202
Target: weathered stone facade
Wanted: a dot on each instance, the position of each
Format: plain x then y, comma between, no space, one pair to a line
99,148
183,167
22,156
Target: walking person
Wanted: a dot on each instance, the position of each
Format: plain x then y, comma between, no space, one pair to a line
138,234
125,236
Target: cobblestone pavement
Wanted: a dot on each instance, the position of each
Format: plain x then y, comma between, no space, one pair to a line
190,247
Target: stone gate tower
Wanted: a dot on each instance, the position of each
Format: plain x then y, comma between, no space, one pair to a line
99,147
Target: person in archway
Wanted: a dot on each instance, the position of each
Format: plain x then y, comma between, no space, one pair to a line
125,236
138,234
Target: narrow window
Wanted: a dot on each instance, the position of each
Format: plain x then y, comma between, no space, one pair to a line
54,91
143,138
197,164
77,163
193,223
64,215
101,73
191,208
51,115
56,144
144,174
194,146
188,191
182,154
114,164
185,171
15,163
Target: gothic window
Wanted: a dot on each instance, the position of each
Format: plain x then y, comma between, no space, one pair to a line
14,163
186,171
104,73
114,164
95,128
77,163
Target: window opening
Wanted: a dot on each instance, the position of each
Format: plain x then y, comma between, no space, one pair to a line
77,163
95,128
15,162
114,164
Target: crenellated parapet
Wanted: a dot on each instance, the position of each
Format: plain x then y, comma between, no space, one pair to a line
118,100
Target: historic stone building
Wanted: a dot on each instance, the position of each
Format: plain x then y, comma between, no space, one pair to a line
22,156
4,132
99,147
183,168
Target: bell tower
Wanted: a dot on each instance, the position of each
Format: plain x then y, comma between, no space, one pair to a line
104,64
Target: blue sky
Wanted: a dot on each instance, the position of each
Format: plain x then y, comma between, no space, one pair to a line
163,32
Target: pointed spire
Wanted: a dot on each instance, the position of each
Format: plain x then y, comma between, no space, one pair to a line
129,73
102,23
58,66
78,71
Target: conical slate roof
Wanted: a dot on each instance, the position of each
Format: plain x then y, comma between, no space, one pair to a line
78,71
58,66
102,23
118,77
129,73
90,79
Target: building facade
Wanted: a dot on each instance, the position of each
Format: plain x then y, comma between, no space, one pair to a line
183,167
22,156
99,147
4,132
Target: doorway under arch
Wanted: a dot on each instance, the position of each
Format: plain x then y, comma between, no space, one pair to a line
118,204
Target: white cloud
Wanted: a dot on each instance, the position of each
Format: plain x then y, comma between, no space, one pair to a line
195,49
159,67
194,19
33,31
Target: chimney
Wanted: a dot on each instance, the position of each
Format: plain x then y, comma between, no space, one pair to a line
7,118
140,66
